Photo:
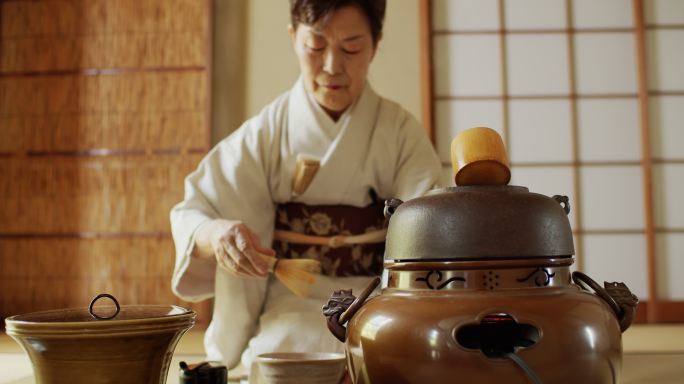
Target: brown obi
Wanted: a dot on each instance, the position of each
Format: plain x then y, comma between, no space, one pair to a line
332,220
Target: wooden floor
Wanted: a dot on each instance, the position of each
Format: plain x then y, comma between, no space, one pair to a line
654,354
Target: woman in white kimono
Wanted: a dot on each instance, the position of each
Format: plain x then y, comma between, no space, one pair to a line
367,148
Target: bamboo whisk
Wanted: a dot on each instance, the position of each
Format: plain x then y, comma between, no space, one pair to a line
296,274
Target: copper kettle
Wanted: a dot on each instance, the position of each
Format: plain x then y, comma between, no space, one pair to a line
477,287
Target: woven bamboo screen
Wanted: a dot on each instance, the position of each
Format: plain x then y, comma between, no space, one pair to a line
104,108
588,96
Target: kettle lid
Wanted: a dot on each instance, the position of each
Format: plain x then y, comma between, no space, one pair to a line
482,217
476,222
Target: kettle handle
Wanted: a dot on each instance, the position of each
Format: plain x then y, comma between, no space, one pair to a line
618,297
337,320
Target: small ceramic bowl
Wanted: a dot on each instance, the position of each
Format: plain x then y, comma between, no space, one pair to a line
300,368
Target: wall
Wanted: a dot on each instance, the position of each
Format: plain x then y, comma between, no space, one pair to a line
229,63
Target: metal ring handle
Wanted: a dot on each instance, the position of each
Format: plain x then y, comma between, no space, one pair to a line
98,297
564,202
391,206
581,279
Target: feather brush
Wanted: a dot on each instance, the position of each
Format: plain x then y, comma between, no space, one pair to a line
296,274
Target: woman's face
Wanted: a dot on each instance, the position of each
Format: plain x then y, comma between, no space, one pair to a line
334,56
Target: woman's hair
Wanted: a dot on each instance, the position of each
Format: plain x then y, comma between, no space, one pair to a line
311,11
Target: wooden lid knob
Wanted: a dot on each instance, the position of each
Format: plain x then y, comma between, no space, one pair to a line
478,157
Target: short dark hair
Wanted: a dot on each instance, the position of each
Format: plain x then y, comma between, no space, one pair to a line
311,11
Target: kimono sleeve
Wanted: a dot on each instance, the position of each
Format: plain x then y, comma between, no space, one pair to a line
418,167
229,183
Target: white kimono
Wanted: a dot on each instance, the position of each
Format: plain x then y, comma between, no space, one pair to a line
375,144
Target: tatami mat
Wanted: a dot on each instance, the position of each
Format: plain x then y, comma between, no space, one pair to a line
653,354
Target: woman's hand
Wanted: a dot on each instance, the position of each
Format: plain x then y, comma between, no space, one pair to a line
235,247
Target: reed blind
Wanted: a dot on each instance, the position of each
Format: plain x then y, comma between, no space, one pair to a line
588,96
104,108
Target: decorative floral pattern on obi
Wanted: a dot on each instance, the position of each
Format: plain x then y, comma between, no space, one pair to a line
333,220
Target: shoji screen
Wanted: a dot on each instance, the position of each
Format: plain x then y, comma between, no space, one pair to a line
104,108
588,96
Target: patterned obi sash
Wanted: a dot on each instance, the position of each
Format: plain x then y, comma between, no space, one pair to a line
347,240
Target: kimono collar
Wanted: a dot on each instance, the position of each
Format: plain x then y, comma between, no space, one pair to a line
326,123
342,155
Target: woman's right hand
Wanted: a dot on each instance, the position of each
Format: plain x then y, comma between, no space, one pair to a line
235,247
